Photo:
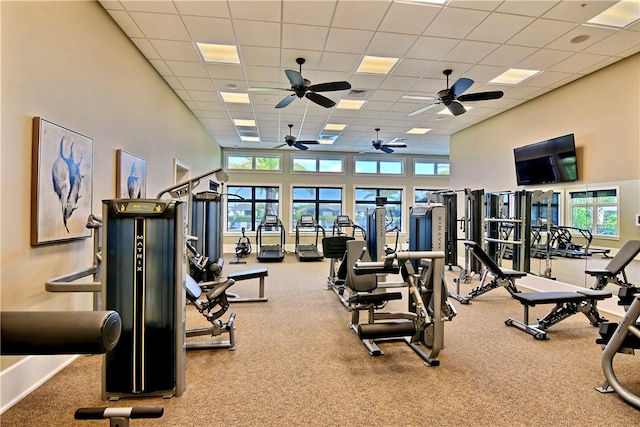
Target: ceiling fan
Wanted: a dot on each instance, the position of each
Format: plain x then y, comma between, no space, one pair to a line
452,96
302,87
385,147
291,141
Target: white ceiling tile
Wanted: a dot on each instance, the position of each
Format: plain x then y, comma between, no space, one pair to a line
111,4
529,8
201,95
543,59
215,9
187,69
257,33
175,50
366,81
347,40
265,74
306,37
191,83
146,48
541,32
577,63
160,26
595,34
149,6
265,56
308,12
431,48
126,23
578,11
210,30
615,44
470,51
345,62
455,23
360,15
390,45
173,82
412,67
488,5
509,25
508,56
261,10
161,67
546,79
407,18
225,71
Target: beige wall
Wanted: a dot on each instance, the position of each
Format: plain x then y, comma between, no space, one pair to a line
601,109
70,63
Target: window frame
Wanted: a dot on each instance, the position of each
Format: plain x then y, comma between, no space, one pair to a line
378,161
254,158
436,163
253,201
317,202
401,203
595,205
317,160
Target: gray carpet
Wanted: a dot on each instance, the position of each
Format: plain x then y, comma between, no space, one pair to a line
299,364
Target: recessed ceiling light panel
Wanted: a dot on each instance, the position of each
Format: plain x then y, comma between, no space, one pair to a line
514,76
350,104
226,54
376,65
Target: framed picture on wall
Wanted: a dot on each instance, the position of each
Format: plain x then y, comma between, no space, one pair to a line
61,183
131,176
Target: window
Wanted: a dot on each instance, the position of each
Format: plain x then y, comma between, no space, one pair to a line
540,211
247,213
596,211
323,203
389,167
319,164
425,196
253,162
431,167
365,198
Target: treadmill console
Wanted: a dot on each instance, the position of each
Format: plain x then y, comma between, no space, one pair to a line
306,221
270,221
343,221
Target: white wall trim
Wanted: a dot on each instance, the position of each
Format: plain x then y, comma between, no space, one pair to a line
23,377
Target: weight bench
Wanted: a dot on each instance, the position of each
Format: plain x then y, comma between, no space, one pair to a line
614,271
566,304
259,273
212,309
501,276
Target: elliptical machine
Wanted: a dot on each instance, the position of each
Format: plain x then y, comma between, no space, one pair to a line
243,248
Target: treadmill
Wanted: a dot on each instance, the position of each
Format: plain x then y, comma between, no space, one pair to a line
308,252
342,222
273,252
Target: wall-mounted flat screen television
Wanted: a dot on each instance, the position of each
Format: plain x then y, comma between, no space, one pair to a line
550,161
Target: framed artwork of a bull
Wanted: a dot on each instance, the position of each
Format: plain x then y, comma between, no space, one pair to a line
61,183
131,176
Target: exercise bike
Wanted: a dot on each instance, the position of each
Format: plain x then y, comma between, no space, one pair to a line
243,248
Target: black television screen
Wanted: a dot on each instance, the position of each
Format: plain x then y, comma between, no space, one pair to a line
553,160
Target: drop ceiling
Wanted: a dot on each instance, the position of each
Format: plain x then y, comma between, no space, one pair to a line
478,40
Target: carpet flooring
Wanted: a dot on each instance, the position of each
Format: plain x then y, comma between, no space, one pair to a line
299,364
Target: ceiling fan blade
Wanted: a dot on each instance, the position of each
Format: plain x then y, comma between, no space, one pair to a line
300,146
395,145
423,109
286,101
309,142
460,86
278,146
481,96
320,100
295,77
456,108
327,87
266,89
386,149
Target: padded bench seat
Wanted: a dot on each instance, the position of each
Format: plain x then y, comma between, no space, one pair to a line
374,298
249,274
566,304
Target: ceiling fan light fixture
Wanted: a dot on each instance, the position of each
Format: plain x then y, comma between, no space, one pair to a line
513,76
350,104
238,98
226,54
377,65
